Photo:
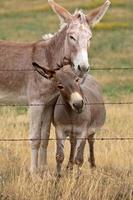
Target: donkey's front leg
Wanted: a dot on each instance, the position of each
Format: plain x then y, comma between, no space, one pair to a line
35,113
72,152
91,149
60,136
79,151
45,132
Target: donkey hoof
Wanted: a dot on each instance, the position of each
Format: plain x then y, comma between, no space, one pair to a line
69,167
58,175
92,166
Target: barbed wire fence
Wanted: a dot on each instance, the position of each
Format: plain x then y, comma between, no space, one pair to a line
92,69
55,139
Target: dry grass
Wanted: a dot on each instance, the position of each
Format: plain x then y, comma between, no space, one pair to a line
113,178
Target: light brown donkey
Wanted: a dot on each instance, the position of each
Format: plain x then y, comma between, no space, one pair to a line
19,85
78,113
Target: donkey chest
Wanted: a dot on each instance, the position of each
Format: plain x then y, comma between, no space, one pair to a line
68,118
69,130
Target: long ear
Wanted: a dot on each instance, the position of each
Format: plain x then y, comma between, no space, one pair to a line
63,14
97,14
48,74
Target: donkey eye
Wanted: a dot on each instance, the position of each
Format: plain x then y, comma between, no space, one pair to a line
77,80
60,87
72,38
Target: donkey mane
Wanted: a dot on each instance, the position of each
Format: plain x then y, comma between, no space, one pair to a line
80,14
51,35
48,36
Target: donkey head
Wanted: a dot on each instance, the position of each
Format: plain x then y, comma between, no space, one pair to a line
79,33
66,82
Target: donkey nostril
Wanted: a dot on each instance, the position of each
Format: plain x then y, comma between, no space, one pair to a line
81,104
79,68
83,68
88,69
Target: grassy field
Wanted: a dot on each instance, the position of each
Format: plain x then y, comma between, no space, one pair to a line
111,46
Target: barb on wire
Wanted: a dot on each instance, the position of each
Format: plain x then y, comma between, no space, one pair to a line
55,139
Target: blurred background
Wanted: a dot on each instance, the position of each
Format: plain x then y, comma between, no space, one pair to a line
112,44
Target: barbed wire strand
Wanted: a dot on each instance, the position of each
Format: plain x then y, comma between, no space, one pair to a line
106,103
56,139
92,69
112,68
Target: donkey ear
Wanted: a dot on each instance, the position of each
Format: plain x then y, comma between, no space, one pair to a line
63,14
97,14
48,74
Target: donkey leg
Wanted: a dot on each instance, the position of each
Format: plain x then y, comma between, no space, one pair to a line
35,113
60,136
72,152
91,149
45,132
79,151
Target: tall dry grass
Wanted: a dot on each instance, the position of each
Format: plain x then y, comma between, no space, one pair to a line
112,179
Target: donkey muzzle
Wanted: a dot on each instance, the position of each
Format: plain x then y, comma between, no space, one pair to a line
83,68
78,106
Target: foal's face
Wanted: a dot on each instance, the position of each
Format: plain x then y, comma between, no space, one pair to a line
68,84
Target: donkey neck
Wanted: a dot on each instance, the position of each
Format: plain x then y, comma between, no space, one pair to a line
56,49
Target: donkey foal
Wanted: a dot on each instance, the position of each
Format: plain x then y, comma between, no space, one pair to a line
77,121
77,114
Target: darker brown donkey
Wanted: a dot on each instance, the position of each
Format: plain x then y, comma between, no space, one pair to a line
78,113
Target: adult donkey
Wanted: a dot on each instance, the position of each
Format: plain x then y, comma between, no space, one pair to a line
28,87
